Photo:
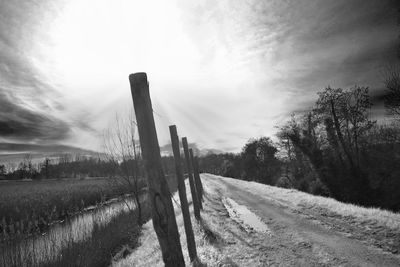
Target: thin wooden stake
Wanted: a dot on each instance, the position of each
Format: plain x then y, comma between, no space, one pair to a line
199,184
191,244
162,210
195,198
196,161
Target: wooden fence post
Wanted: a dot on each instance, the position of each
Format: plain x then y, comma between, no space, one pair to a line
191,244
195,198
162,210
196,162
199,185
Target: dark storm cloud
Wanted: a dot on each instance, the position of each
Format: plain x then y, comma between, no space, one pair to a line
341,41
28,99
23,148
363,67
19,123
15,152
330,19
21,80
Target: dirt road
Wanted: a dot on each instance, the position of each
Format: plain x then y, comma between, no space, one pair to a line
297,237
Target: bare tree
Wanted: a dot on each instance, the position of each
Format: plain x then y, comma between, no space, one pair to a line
123,151
346,112
46,165
26,168
392,96
2,171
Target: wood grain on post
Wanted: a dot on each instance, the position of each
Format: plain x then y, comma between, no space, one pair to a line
196,162
162,210
191,244
199,185
195,198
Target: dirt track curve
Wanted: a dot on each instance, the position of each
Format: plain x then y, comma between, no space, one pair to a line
299,238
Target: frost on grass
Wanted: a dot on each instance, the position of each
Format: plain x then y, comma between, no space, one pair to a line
148,252
245,217
294,198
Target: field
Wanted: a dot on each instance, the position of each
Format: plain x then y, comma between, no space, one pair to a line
61,247
30,207
91,238
39,203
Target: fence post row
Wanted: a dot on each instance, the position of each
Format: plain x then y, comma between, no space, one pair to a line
191,244
196,179
195,198
162,210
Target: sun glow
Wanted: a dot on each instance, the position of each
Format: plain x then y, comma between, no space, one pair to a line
95,45
196,57
100,41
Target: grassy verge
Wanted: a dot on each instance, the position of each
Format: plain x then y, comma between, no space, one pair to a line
148,252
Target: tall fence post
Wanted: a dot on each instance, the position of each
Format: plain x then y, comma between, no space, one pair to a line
191,244
162,210
195,198
199,185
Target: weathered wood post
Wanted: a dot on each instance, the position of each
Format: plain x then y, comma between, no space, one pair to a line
162,210
199,186
191,244
196,163
195,198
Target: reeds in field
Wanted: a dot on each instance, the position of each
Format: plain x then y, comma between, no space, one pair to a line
87,241
31,207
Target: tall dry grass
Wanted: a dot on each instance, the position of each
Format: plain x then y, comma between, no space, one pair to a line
100,243
30,207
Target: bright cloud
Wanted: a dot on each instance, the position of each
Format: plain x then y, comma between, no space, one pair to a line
222,71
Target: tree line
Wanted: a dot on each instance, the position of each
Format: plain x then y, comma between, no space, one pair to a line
66,166
334,149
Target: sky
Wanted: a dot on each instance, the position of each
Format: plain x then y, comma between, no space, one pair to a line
222,71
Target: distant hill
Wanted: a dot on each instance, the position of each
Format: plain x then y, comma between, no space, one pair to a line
166,150
15,152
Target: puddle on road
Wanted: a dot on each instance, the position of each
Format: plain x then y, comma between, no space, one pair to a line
244,216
